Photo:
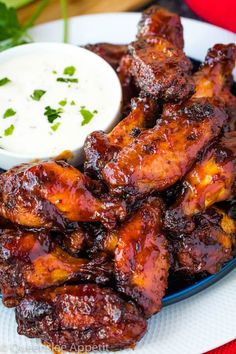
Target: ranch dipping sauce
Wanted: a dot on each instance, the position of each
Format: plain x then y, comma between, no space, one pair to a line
50,101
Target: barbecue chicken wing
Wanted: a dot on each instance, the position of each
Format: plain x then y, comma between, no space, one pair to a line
142,258
215,72
162,155
159,22
210,181
208,246
30,260
214,77
161,69
80,317
100,148
50,194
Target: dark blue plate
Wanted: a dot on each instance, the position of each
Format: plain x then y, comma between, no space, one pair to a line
199,285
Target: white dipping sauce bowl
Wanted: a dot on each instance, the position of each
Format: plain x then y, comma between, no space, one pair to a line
94,64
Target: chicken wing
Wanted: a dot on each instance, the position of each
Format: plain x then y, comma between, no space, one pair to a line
30,260
142,258
159,22
80,319
160,156
209,246
214,75
49,194
210,181
161,69
100,148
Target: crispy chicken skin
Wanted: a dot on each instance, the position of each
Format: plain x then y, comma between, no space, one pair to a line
159,22
210,181
208,246
49,194
160,156
161,69
142,258
112,53
33,260
100,148
74,317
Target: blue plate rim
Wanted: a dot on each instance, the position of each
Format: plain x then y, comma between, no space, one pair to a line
200,285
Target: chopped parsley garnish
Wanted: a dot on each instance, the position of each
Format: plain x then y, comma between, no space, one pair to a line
63,102
65,79
52,113
54,72
72,103
9,131
37,94
87,115
55,126
4,81
70,70
9,113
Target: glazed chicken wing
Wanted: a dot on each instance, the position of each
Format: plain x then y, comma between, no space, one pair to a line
209,246
80,317
160,156
161,69
30,260
50,194
214,76
142,258
100,148
210,181
159,22
215,72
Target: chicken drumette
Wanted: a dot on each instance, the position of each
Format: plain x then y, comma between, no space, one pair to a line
211,180
80,317
51,194
33,260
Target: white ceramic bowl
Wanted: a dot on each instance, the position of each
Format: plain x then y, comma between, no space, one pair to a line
113,98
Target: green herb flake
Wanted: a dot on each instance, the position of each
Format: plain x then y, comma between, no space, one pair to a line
54,72
63,102
66,80
52,113
37,94
9,113
55,126
72,103
87,115
4,81
9,131
70,70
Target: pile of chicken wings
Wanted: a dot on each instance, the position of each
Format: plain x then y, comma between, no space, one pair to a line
85,254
